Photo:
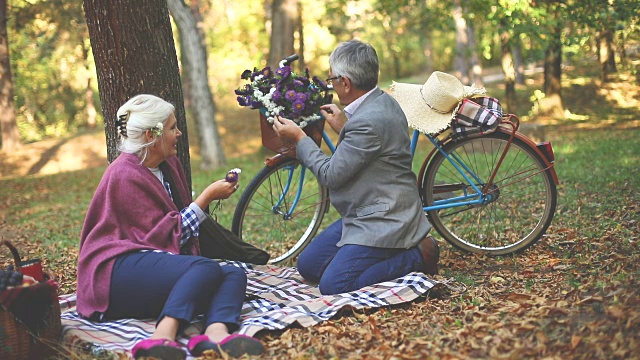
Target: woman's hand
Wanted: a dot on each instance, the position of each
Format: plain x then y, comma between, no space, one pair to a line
218,190
334,116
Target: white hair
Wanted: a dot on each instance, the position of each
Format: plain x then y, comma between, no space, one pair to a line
142,112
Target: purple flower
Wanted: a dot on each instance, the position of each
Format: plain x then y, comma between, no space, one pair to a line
255,103
284,72
255,73
246,90
320,83
265,89
290,95
296,94
301,97
245,75
298,106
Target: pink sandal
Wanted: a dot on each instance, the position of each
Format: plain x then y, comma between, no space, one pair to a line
234,345
158,348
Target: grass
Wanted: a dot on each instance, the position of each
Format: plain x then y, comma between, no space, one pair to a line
590,251
594,170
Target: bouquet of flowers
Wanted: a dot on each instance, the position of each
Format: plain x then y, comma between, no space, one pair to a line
284,93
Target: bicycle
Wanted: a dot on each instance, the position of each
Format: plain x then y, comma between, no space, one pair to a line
494,193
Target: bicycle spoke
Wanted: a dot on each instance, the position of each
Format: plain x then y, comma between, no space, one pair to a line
266,217
522,194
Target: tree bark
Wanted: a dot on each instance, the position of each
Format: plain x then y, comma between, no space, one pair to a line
8,124
552,103
606,55
519,62
300,28
133,47
461,60
201,98
92,114
284,16
474,59
508,68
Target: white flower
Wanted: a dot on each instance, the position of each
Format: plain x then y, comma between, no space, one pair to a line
157,130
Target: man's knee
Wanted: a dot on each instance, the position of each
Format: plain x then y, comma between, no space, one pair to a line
331,287
306,267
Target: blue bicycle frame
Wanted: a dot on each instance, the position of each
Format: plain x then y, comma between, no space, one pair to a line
474,198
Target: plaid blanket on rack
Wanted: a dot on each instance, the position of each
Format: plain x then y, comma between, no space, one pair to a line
277,297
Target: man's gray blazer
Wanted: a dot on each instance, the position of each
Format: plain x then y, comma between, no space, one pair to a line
369,177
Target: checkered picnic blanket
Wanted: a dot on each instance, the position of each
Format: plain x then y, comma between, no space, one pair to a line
277,297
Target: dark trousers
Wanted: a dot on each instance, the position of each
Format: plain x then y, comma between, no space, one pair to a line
151,284
351,267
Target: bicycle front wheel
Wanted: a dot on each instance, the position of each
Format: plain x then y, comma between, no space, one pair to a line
281,210
522,198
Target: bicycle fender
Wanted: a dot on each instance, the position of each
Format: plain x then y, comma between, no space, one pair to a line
275,160
519,135
525,139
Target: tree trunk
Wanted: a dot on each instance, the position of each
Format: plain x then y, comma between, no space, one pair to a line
201,99
552,104
300,28
606,55
8,124
460,62
509,71
133,47
426,39
475,63
283,24
519,62
92,114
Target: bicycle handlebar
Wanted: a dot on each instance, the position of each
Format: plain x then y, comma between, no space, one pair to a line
289,59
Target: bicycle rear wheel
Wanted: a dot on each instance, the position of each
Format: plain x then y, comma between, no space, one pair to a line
264,215
523,193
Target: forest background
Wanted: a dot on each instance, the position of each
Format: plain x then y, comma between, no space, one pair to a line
565,67
50,89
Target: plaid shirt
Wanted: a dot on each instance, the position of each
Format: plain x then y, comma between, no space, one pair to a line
191,217
190,224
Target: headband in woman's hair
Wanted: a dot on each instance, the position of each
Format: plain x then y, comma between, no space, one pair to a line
121,123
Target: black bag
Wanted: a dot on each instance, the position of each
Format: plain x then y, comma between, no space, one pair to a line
217,242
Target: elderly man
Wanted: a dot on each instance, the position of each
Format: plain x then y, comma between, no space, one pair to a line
382,233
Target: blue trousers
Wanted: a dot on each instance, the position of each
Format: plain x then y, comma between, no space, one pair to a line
151,284
351,267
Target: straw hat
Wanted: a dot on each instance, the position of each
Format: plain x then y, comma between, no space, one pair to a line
430,107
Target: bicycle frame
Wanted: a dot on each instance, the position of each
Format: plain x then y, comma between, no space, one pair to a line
480,191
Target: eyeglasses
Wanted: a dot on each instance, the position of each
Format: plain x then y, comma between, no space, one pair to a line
330,80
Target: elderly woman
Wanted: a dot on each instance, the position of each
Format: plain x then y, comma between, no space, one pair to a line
139,252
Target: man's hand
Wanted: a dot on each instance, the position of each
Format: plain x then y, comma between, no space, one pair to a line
334,116
288,130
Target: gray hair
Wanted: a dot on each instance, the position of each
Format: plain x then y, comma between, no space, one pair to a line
358,61
141,113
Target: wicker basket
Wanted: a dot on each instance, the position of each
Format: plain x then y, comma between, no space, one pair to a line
272,142
30,324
